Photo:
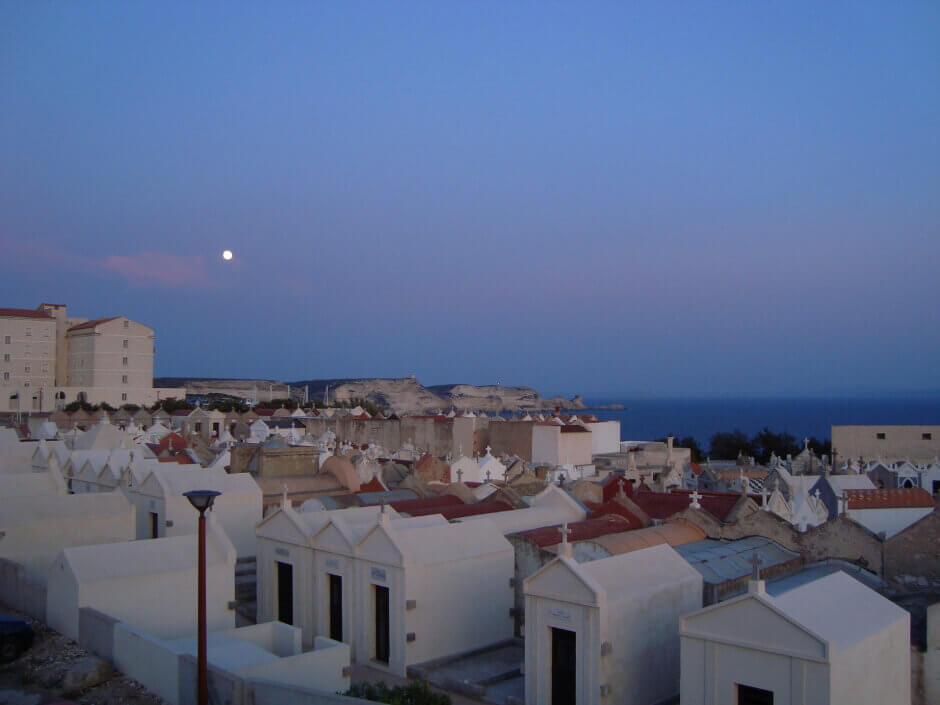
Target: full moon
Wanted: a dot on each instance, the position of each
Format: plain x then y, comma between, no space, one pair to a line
227,255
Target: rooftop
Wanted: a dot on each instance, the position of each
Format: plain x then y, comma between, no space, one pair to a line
23,313
579,531
906,498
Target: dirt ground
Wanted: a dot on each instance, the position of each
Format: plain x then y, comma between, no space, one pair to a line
36,677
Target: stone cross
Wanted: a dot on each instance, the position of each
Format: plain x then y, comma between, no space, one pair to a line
459,475
488,450
755,564
487,475
763,497
564,531
695,498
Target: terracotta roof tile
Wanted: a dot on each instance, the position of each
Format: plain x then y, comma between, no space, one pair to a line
906,498
614,509
659,505
465,510
23,313
92,324
580,531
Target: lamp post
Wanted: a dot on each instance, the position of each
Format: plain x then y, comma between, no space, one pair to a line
202,500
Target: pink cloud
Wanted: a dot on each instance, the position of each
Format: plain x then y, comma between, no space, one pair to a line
158,268
144,268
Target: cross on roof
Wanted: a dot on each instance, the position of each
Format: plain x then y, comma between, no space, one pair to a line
487,475
459,475
756,563
564,531
695,498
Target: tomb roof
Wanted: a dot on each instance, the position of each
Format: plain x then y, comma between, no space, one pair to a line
579,531
839,609
904,498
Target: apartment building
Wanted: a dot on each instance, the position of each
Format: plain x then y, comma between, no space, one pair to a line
51,359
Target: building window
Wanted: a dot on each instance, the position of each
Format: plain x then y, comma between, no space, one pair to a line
26,383
926,436
29,332
6,357
125,342
6,339
45,367
127,324
124,396
124,379
6,376
124,361
27,369
27,349
880,436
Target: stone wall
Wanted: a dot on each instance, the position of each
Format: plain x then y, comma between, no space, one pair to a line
915,553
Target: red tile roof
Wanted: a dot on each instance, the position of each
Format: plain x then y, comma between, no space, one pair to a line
179,443
580,531
611,485
696,468
906,498
373,485
659,505
264,412
410,506
466,510
92,324
614,509
23,313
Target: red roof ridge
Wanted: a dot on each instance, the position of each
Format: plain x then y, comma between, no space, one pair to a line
23,313
92,324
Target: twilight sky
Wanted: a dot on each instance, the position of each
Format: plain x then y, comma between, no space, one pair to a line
616,198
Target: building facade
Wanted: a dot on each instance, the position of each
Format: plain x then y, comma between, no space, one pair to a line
50,360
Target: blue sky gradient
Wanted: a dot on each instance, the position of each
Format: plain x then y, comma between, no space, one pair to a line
607,198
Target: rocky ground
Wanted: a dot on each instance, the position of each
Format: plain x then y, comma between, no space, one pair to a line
56,668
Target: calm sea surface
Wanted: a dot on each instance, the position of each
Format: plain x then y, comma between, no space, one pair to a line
647,419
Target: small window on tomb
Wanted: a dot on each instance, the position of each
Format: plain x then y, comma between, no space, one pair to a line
880,436
749,695
926,436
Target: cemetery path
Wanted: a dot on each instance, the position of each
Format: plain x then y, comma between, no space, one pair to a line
367,674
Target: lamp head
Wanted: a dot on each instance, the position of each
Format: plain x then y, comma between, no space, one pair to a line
201,499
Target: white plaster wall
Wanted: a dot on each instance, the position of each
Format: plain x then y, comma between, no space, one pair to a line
712,670
148,660
320,669
270,552
459,606
326,563
542,614
575,448
605,437
876,671
545,445
62,599
643,630
891,521
394,580
163,604
36,544
237,513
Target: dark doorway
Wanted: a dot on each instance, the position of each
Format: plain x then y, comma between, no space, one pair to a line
336,607
381,624
285,593
564,660
936,486
154,525
749,695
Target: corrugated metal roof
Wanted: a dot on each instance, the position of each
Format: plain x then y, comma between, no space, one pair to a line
721,561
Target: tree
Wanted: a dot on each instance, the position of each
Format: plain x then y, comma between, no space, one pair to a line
821,447
728,446
171,404
766,443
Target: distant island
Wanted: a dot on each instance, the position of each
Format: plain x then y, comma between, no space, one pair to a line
405,395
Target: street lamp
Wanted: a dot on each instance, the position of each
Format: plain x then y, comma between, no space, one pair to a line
201,501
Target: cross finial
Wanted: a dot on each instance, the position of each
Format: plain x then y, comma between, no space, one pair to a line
459,475
695,498
564,531
487,475
488,449
755,564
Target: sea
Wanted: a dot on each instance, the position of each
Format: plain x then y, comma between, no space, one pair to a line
648,419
